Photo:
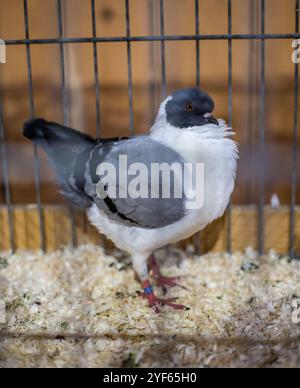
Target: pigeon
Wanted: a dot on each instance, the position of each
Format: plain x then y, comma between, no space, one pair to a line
112,180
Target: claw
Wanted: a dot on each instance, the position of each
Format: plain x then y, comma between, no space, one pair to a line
156,302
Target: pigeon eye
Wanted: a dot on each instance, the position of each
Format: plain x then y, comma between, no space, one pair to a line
189,107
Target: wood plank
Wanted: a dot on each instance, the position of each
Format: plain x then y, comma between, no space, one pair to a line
213,238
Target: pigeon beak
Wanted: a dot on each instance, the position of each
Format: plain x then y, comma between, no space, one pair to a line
210,118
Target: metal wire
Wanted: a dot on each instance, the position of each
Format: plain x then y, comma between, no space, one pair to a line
65,102
7,193
35,149
197,31
261,190
230,94
129,68
251,115
64,92
163,50
96,71
152,38
197,239
152,59
292,231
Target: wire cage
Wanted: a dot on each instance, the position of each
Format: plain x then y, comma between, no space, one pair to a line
246,223
103,67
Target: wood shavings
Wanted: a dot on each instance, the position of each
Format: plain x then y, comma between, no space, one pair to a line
81,308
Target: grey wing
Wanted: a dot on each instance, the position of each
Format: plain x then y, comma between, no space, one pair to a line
135,210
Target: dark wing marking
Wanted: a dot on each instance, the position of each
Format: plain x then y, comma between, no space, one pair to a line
142,212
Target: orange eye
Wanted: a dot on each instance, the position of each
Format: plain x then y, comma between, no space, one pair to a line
189,107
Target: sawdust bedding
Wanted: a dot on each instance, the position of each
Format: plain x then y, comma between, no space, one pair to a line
81,308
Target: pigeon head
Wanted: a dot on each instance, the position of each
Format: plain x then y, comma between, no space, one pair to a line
187,108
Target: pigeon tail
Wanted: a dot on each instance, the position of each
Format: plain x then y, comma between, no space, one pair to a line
64,147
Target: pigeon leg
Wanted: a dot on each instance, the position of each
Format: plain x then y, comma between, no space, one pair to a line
156,302
140,266
163,281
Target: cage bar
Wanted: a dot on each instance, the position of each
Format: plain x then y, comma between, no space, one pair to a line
129,69
230,95
96,71
292,227
152,38
197,238
7,193
65,103
64,92
197,31
152,49
163,50
35,148
261,184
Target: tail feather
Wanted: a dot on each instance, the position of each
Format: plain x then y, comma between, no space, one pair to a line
33,129
64,146
41,131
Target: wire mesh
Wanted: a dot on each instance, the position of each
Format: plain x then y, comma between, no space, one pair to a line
128,38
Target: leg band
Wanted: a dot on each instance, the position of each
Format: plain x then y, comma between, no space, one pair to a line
148,290
147,287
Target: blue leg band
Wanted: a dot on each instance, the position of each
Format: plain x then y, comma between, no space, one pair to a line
148,290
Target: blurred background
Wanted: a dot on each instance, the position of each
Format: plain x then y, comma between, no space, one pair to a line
181,71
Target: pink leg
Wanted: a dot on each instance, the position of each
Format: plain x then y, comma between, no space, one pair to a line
156,302
163,281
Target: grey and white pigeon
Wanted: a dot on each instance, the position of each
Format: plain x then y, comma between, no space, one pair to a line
185,133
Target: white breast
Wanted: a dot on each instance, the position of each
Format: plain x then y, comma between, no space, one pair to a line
210,146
